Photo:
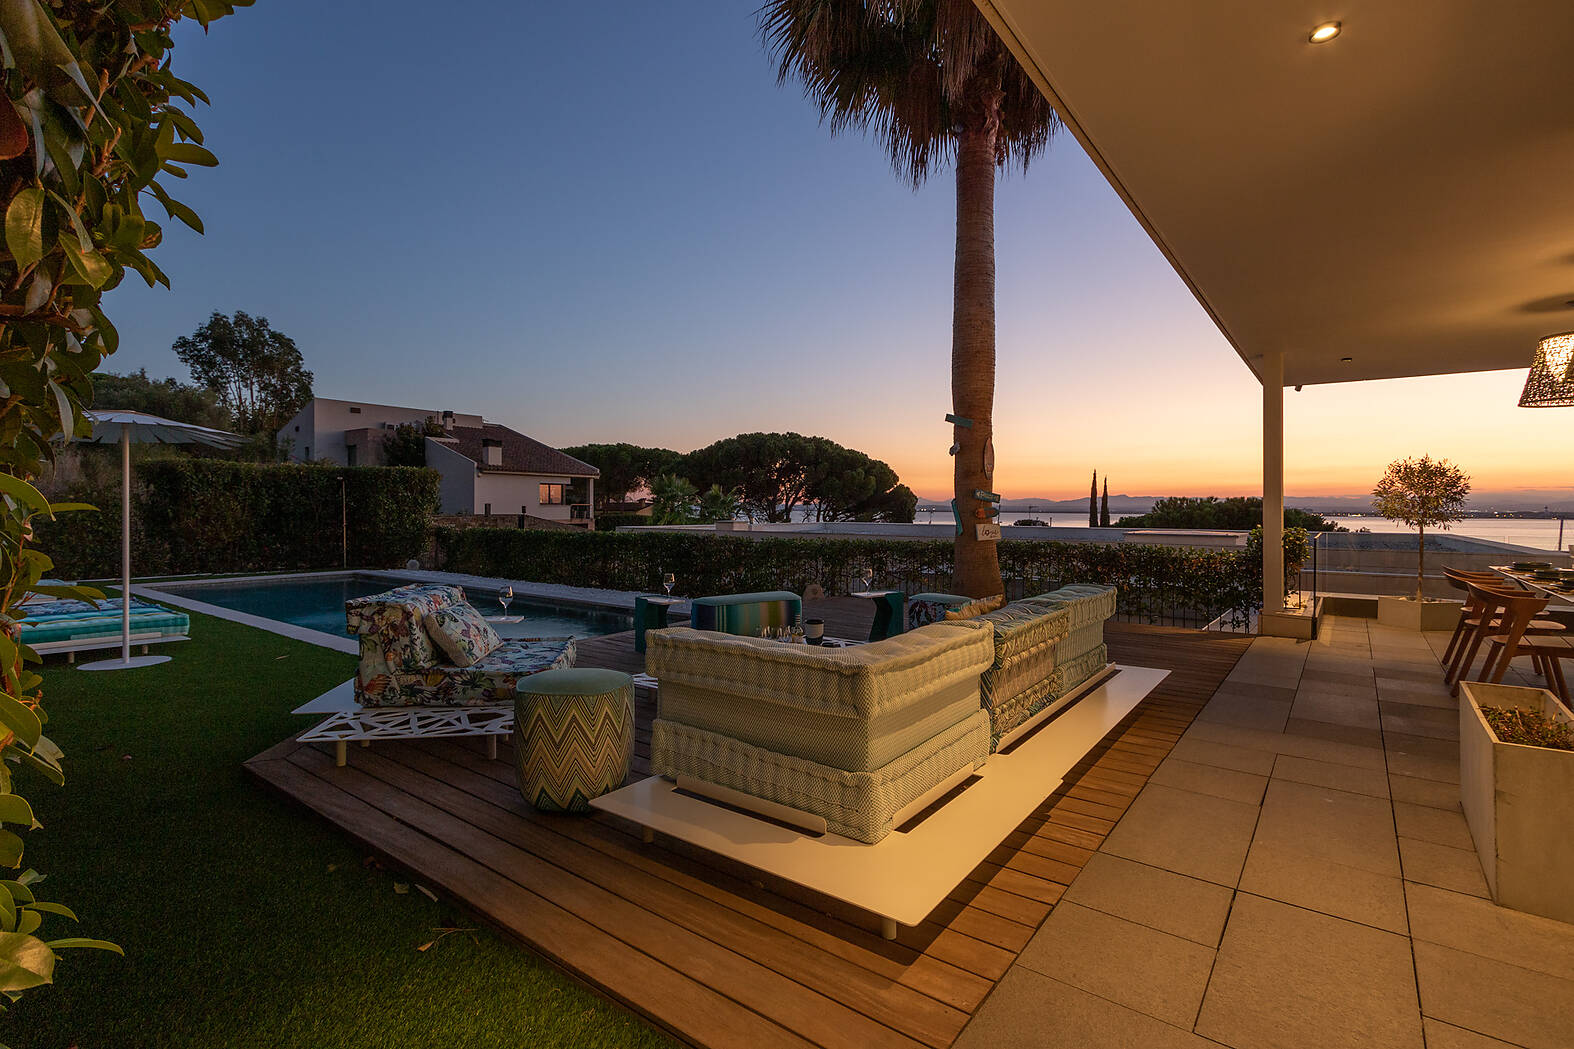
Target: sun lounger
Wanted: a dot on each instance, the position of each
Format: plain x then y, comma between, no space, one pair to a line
72,626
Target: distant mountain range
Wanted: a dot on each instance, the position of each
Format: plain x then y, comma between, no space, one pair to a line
1521,500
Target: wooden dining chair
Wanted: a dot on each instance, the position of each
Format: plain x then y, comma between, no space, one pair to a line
1494,606
1546,653
1460,579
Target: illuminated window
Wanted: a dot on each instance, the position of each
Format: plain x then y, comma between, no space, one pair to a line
551,495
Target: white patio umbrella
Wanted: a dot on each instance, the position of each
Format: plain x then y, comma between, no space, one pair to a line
128,428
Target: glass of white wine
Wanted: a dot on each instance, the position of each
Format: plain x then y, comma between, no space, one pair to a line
866,579
668,581
504,596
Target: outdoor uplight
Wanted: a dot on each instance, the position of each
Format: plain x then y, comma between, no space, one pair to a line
1551,380
1324,33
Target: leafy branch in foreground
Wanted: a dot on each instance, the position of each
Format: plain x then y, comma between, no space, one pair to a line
91,120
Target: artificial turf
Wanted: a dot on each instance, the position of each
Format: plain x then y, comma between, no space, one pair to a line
248,922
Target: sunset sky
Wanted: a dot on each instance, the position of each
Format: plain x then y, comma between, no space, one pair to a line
607,223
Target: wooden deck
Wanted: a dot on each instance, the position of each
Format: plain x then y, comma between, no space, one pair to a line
713,952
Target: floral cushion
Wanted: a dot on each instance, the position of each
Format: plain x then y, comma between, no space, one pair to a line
923,609
463,635
390,629
490,680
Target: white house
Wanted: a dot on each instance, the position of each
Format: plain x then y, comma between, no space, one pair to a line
486,468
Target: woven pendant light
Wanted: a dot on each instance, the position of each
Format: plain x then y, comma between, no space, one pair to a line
1551,380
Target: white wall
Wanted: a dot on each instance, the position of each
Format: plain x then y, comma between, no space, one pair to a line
508,492
322,424
456,489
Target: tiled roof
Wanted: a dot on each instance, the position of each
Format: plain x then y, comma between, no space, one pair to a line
521,454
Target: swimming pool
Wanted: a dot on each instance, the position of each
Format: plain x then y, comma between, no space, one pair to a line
318,604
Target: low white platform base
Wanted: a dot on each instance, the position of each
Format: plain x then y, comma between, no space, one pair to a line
348,721
123,664
99,644
904,877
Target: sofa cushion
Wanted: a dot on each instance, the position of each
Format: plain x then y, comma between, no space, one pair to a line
849,708
1087,602
490,680
461,632
859,805
974,609
392,635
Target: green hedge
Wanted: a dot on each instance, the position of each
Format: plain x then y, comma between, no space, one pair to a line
1156,583
209,515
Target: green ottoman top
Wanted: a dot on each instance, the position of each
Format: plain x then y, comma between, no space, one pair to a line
575,681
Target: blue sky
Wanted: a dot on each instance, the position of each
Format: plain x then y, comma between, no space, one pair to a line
607,222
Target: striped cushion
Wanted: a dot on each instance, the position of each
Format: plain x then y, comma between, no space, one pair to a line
746,614
1087,602
146,619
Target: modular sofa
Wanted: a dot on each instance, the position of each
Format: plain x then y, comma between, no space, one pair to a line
402,667
852,735
1045,647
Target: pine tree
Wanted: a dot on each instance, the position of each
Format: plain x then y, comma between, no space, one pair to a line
1093,501
1104,508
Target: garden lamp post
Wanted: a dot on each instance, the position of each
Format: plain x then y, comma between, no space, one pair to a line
128,428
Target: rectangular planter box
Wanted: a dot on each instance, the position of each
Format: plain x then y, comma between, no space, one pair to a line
1519,802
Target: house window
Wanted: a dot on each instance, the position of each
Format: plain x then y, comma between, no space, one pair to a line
551,495
349,455
488,510
308,454
355,411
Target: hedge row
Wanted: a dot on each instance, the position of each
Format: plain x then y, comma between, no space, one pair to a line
209,515
1156,583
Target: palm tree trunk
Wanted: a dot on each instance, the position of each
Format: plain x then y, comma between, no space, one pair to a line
973,348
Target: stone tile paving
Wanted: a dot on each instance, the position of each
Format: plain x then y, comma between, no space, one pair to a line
1297,875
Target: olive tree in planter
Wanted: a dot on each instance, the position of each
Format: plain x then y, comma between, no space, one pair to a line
1422,493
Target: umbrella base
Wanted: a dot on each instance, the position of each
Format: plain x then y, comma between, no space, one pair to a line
123,664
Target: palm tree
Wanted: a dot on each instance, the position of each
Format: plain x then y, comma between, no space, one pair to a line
672,499
932,80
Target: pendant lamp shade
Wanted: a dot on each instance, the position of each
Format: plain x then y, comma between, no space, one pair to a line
1551,380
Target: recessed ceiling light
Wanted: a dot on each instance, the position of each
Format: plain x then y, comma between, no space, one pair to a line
1346,360
1324,33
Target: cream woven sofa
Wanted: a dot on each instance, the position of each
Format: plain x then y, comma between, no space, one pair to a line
860,737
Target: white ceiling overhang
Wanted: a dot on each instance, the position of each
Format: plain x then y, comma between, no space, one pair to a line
1402,195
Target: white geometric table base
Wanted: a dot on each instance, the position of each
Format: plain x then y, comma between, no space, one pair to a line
348,722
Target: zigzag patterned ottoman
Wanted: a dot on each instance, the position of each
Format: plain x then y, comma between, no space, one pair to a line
573,736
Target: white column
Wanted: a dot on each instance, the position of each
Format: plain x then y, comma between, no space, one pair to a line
125,542
1273,481
590,497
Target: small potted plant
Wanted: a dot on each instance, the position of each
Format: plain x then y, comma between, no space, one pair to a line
1422,493
1516,784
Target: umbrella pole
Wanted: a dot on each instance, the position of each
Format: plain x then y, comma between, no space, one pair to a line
125,542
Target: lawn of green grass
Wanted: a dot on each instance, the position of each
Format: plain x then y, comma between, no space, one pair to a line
246,921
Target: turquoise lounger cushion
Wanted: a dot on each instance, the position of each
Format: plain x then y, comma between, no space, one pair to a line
49,621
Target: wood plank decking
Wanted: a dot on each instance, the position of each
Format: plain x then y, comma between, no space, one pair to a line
714,952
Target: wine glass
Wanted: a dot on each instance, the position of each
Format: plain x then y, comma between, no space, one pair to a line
866,579
504,596
668,581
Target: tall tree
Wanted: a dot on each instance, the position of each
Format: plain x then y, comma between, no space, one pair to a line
257,372
933,81
1104,505
776,473
624,467
136,392
1093,501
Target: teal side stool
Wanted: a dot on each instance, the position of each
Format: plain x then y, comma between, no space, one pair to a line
889,619
650,613
573,736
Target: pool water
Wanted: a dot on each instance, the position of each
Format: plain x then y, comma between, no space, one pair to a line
318,604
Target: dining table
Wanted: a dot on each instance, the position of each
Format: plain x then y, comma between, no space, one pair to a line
1560,592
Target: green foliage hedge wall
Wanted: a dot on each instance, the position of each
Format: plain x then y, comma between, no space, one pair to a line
1156,583
210,515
